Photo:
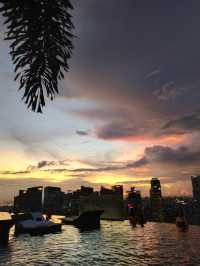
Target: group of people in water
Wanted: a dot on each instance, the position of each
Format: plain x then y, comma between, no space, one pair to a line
136,213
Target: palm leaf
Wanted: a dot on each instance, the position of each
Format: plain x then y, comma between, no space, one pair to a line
41,36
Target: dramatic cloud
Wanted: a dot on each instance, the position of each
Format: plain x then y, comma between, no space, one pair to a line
168,91
159,160
113,70
181,156
51,164
139,163
185,124
166,155
151,130
127,105
117,131
43,164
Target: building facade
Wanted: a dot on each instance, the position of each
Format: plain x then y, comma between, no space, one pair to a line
53,200
196,188
29,200
156,200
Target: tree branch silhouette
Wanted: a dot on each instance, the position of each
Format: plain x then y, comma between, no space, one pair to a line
41,36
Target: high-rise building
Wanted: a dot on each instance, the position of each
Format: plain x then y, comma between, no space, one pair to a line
118,189
155,188
115,190
53,200
196,188
28,200
86,191
195,215
105,191
156,200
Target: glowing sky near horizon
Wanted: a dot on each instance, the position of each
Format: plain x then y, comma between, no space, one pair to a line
127,110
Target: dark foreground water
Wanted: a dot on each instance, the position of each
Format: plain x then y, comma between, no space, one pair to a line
115,244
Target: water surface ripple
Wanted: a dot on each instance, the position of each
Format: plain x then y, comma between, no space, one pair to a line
115,244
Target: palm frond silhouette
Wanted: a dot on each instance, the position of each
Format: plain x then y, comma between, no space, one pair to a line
41,37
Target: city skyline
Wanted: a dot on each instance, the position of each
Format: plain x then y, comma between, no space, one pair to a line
128,109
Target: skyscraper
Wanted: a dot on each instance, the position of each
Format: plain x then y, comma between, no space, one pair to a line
156,200
196,188
118,189
155,188
28,200
53,200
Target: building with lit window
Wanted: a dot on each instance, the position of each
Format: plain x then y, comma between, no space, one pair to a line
156,200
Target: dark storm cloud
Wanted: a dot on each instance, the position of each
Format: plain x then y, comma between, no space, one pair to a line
115,131
42,164
82,133
117,47
138,63
184,124
123,131
166,155
181,156
137,58
153,156
157,154
139,163
100,166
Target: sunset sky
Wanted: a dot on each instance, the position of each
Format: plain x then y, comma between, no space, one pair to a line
128,110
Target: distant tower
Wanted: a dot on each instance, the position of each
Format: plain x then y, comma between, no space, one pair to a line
196,188
155,188
196,199
118,190
156,200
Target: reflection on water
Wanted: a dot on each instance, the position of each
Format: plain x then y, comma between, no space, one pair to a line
115,244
